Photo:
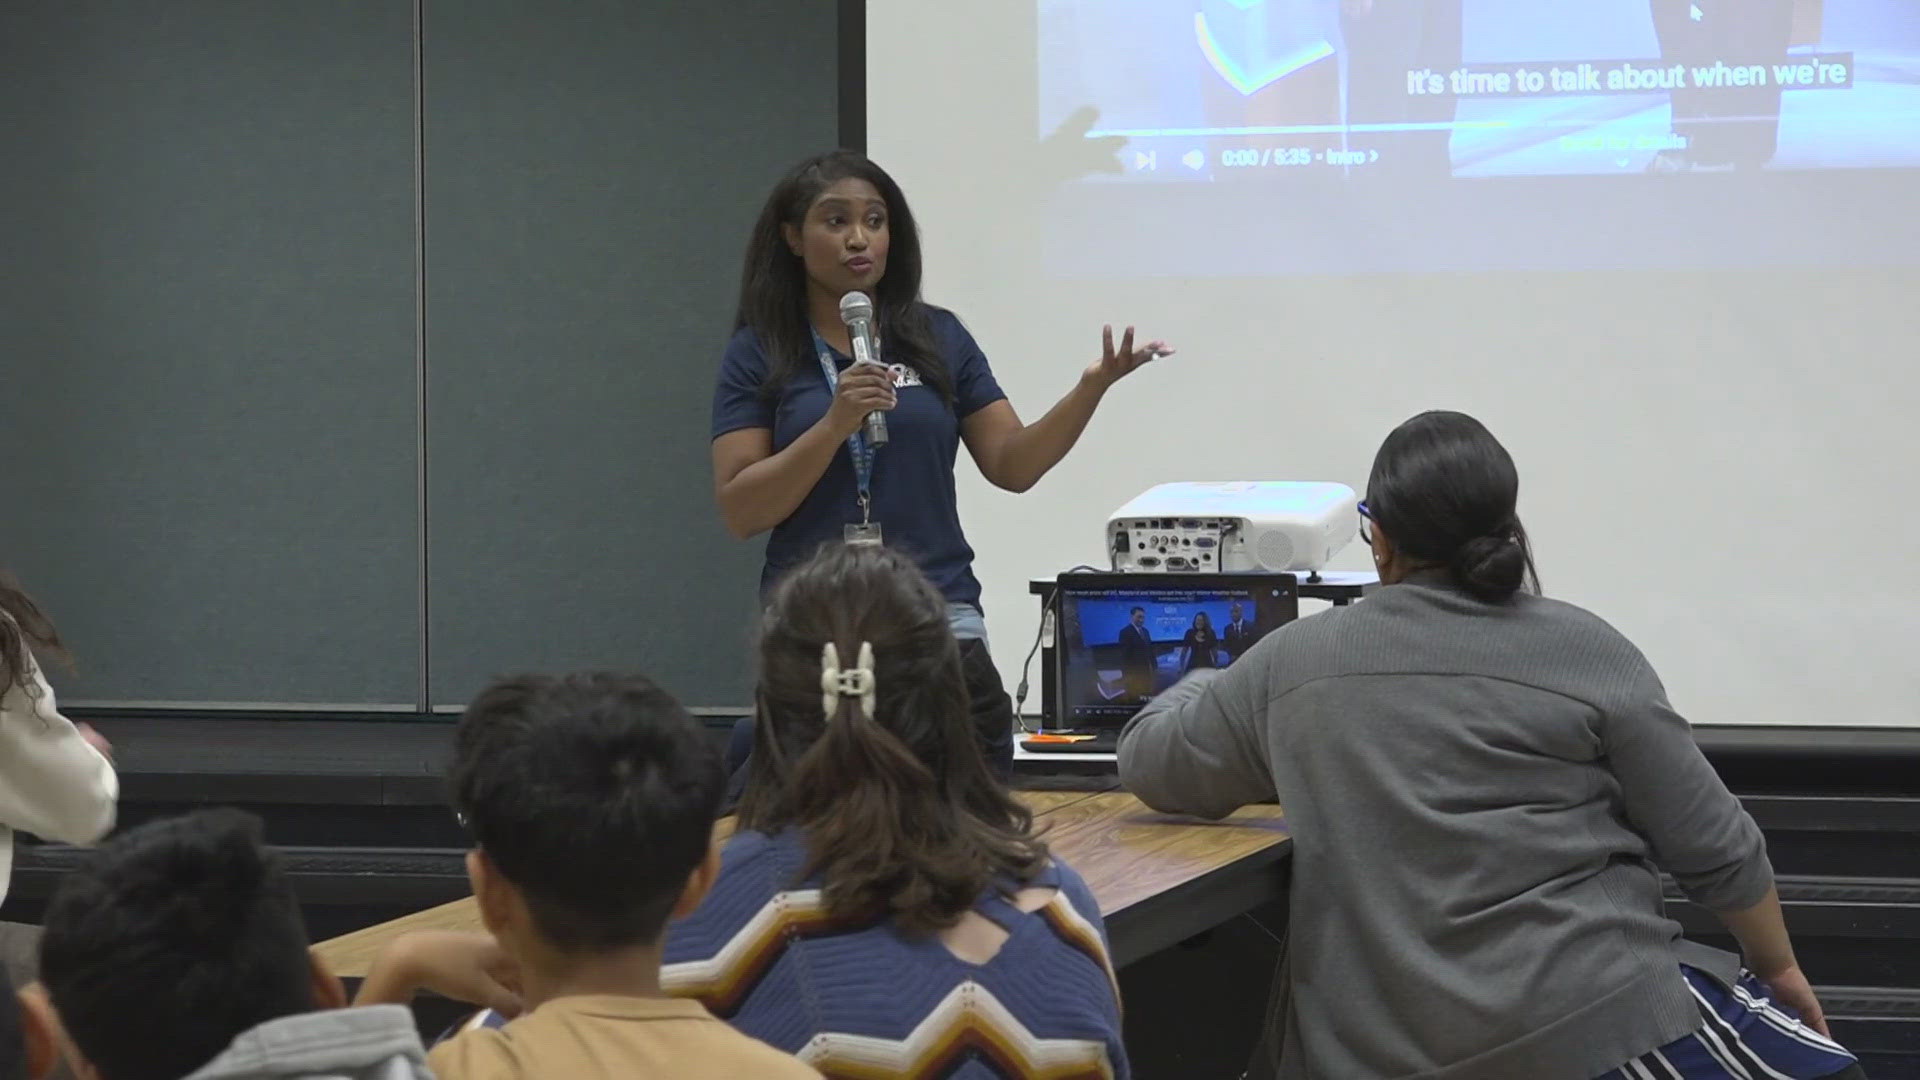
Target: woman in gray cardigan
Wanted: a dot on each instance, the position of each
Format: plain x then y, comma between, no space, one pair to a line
1482,786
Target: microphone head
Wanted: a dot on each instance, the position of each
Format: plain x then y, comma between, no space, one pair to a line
855,305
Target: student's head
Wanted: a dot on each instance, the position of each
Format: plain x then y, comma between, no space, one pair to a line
899,811
1201,622
1139,616
836,223
171,940
591,800
1443,495
22,626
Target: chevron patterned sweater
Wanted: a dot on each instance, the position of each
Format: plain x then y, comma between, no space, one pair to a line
862,998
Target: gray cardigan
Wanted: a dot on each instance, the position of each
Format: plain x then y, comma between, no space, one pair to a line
1479,795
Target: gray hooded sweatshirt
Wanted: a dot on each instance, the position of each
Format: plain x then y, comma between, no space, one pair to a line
375,1042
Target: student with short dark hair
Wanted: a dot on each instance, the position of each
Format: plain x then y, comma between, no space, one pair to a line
1483,787
591,802
178,951
884,908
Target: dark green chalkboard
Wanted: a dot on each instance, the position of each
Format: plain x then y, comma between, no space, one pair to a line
592,171
236,235
207,344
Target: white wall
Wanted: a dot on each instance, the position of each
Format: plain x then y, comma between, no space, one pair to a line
1720,464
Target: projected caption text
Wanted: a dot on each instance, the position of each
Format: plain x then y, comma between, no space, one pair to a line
1822,71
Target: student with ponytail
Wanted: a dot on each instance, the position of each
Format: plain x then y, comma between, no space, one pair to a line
884,908
1483,786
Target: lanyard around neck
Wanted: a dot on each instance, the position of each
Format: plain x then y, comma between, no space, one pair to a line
857,445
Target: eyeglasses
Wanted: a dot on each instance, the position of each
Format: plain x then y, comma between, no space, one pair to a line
1366,515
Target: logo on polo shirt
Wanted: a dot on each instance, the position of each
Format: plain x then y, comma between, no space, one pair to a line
904,376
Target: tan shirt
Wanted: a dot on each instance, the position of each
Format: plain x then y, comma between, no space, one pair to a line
628,1038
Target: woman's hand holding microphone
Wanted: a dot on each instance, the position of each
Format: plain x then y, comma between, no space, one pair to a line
863,388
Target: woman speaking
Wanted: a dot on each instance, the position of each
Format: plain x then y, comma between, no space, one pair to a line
788,451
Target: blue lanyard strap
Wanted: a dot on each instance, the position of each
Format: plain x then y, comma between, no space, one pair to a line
856,444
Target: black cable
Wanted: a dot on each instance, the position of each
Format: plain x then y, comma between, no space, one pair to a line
1264,928
1049,612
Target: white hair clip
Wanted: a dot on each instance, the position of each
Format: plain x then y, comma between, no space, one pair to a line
855,682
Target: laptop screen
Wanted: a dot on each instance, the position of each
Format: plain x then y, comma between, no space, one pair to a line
1124,641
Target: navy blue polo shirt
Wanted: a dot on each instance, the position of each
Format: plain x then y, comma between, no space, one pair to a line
913,490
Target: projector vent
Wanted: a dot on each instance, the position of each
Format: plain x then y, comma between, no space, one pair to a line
1274,550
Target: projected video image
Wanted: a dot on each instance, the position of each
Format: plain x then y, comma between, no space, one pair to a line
1124,647
1241,89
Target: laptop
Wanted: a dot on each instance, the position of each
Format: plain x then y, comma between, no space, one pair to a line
1121,639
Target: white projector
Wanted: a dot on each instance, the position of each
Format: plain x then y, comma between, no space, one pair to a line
1248,526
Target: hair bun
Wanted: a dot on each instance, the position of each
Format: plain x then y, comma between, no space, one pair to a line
1491,567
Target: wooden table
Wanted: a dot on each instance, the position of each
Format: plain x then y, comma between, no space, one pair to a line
1159,879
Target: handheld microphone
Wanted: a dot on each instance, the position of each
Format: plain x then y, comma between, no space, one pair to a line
856,310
